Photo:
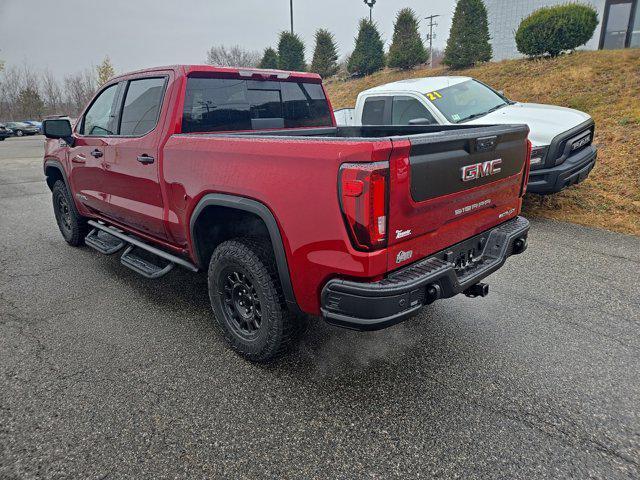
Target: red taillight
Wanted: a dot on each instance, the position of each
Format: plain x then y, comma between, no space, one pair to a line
527,169
363,199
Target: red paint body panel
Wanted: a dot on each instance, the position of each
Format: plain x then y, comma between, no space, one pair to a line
296,178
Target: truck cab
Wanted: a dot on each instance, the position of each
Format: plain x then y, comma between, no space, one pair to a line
563,153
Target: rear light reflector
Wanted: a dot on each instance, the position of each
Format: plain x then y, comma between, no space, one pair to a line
364,203
526,170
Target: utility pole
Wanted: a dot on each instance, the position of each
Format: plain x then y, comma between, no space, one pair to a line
431,36
370,4
291,13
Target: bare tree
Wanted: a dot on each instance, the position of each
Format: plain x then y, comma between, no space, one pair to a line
51,93
16,85
234,56
79,88
10,87
438,55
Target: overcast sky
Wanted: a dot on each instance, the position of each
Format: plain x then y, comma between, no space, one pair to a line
69,35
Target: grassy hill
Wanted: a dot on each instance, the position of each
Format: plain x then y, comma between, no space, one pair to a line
605,84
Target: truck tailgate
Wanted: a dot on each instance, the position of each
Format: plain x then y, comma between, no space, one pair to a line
447,187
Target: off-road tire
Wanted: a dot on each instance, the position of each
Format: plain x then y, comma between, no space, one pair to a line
72,225
254,259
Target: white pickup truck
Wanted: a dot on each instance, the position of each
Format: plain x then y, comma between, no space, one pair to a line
563,153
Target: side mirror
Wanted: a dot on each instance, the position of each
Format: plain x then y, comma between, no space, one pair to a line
57,128
420,121
501,93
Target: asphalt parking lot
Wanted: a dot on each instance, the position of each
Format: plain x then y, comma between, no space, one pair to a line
107,375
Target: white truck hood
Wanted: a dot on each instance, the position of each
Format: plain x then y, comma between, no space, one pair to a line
544,121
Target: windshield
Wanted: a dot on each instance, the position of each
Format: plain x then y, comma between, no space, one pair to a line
466,100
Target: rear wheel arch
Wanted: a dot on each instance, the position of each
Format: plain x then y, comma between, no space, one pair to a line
220,217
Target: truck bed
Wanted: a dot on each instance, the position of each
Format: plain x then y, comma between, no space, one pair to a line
302,167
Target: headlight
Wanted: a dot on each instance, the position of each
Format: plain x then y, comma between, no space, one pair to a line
538,156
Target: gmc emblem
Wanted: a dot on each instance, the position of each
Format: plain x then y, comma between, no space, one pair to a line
479,170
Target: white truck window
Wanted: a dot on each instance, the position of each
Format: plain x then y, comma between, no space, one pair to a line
406,109
373,111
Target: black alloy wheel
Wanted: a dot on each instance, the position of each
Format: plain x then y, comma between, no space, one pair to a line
63,214
241,302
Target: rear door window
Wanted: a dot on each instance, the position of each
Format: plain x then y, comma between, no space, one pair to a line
374,111
142,106
406,109
215,105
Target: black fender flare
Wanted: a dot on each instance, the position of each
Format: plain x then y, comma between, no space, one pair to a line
55,163
261,210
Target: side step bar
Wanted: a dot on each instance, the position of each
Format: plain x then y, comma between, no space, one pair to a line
132,260
103,242
144,266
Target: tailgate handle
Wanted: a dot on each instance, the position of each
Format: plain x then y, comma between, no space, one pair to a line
485,144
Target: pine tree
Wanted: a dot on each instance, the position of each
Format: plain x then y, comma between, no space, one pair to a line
291,52
269,59
406,50
29,103
325,55
468,41
105,71
368,55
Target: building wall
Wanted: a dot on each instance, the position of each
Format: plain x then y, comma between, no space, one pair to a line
505,17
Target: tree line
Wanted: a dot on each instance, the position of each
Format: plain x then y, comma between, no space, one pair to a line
28,94
548,31
368,56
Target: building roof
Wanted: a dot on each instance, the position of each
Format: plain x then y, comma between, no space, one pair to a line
419,85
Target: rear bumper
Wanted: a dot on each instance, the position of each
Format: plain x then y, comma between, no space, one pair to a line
376,305
573,170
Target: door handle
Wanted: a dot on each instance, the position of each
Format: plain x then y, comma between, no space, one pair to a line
78,159
145,159
96,153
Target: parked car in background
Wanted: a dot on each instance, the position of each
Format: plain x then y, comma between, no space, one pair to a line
4,132
21,128
563,152
34,123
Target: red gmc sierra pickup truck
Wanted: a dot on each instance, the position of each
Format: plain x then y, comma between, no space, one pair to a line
244,174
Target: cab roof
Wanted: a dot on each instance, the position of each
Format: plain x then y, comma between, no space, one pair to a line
419,85
248,72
